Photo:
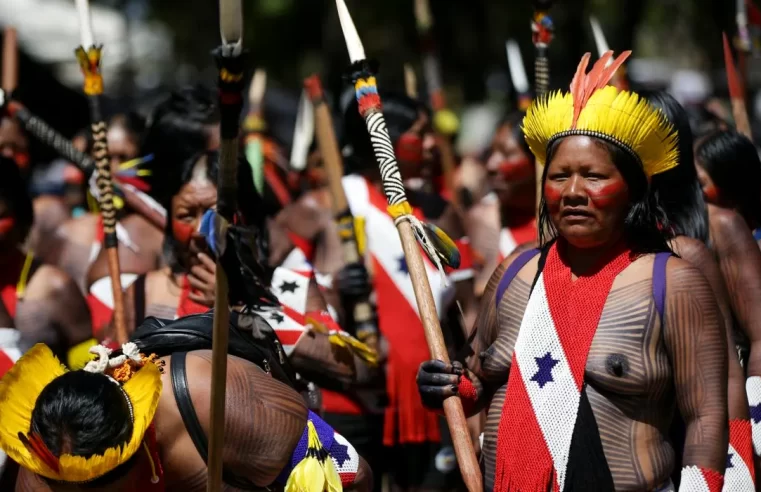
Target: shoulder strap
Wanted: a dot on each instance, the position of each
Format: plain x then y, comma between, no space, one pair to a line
181,392
515,267
659,282
139,299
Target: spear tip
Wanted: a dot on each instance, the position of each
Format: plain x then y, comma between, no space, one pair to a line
353,43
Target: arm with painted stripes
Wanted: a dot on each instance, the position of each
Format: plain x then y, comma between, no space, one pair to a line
697,348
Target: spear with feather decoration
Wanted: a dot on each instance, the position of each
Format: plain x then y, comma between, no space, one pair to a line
254,126
518,74
619,79
89,55
445,122
230,59
363,313
736,92
411,232
10,60
543,30
410,81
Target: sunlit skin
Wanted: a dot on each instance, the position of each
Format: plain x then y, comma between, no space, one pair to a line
586,195
511,172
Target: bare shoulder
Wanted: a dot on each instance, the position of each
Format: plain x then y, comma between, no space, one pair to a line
74,229
50,281
725,220
136,223
680,273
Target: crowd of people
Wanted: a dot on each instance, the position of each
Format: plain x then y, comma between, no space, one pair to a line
602,316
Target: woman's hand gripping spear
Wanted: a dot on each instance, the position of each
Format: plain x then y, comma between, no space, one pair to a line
88,55
230,58
410,232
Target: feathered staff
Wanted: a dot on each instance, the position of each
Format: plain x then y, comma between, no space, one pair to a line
230,58
619,79
10,60
254,126
736,92
363,312
518,74
409,229
444,120
410,81
543,30
88,55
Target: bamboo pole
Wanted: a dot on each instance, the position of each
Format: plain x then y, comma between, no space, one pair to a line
736,92
89,56
393,187
230,59
10,60
543,31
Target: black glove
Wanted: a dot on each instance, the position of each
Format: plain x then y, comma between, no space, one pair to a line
353,282
437,381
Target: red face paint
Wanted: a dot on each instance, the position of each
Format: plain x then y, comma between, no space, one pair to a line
409,148
6,225
182,231
553,193
518,169
711,193
607,195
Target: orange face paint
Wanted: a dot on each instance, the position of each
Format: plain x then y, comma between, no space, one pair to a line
711,193
516,169
6,225
182,231
607,195
409,148
553,193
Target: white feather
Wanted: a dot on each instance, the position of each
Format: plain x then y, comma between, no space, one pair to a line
600,41
517,69
353,43
303,133
258,86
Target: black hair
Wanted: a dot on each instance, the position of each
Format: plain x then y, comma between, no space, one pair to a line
14,191
515,121
642,223
178,130
132,123
678,190
400,113
83,414
732,162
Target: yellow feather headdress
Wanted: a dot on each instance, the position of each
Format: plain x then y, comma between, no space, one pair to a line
593,108
19,390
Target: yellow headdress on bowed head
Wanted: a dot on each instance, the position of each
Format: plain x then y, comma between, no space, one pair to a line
593,108
19,390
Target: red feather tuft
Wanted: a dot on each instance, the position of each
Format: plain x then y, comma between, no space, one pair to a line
577,87
35,445
735,86
610,71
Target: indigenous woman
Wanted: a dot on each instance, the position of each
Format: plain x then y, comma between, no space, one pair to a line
679,193
584,350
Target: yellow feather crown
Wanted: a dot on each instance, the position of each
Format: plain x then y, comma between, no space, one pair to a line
594,109
19,390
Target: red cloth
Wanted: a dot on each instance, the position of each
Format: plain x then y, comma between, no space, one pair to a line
741,438
9,277
5,363
100,314
468,395
714,479
186,306
304,245
523,458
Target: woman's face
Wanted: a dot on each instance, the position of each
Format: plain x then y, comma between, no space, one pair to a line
511,170
586,195
710,191
188,207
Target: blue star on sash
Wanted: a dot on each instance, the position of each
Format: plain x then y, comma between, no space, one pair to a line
403,265
339,452
755,413
545,365
729,460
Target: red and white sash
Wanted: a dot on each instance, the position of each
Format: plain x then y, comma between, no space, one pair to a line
547,375
406,420
739,475
512,237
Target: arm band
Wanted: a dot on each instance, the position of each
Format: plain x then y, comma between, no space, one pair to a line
698,479
739,474
468,395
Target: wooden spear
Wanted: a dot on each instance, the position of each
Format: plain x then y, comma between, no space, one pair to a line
542,30
410,81
393,187
89,55
230,58
619,79
736,92
363,312
10,60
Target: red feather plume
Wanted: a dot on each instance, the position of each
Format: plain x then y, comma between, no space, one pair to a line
35,445
736,90
584,85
